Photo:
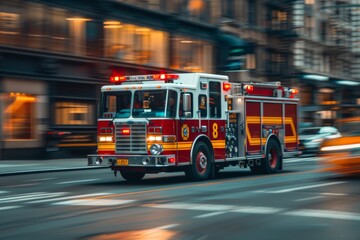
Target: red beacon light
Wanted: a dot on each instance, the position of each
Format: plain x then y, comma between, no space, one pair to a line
249,88
166,77
226,86
117,79
293,92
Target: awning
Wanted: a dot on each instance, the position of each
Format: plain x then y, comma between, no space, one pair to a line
233,41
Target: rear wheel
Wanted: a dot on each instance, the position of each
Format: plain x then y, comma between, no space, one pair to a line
272,160
202,163
132,176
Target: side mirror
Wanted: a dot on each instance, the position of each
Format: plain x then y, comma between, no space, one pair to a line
186,99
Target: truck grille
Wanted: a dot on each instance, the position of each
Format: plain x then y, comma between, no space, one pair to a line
134,142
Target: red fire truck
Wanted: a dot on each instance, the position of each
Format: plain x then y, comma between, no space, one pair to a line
194,122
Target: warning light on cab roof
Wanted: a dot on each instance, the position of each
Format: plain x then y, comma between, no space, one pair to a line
156,77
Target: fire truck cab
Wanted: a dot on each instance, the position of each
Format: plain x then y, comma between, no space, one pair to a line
194,122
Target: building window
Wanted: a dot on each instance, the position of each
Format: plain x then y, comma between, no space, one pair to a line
227,9
252,12
10,28
77,34
198,10
135,44
19,116
309,25
74,113
276,63
190,54
278,20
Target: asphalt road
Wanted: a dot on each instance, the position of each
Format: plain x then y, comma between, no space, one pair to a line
302,202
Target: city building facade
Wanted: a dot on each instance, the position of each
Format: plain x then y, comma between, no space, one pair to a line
55,55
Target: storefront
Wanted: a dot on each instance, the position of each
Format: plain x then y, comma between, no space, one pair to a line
24,117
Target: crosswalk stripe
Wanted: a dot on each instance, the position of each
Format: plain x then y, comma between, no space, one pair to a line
70,197
9,207
95,202
325,214
215,210
78,181
218,208
29,196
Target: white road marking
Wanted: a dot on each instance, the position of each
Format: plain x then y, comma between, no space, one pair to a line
218,208
190,206
215,210
18,165
166,226
8,207
3,192
209,214
70,197
299,188
295,160
95,202
78,181
334,194
257,210
309,198
29,196
325,214
40,179
22,185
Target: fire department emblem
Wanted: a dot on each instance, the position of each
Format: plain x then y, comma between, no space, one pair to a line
185,132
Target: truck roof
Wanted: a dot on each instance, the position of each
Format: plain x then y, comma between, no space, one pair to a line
180,80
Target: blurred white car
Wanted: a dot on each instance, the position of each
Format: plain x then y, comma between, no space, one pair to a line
312,138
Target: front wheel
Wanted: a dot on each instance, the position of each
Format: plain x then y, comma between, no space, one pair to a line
132,176
201,164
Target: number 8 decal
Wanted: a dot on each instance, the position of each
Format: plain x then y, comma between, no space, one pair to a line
215,130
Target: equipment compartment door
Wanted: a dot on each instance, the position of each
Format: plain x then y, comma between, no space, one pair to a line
253,127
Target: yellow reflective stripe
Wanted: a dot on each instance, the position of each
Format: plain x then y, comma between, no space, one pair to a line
106,146
269,121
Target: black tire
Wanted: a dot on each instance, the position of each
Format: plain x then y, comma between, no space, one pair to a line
132,176
202,162
272,161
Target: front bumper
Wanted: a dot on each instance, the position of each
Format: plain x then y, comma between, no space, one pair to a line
131,160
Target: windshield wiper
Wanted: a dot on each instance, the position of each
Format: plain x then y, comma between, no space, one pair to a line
112,120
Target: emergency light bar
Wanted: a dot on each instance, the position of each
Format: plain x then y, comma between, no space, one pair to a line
137,78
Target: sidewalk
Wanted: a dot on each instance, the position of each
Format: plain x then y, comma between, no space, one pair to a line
12,167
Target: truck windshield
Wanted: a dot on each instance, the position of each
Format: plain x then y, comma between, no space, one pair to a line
115,104
154,103
139,104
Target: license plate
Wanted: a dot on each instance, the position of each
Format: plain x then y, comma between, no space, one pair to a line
122,162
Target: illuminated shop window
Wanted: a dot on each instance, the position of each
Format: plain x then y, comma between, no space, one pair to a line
74,113
191,54
77,34
135,44
19,116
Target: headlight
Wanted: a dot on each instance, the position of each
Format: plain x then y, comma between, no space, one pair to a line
154,138
156,149
105,139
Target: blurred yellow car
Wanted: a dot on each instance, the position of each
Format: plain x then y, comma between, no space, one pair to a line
341,155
